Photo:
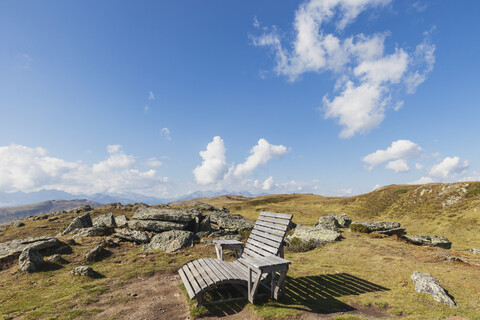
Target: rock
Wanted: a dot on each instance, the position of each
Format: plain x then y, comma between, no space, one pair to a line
110,242
205,225
40,217
121,221
30,260
96,253
53,219
80,209
328,222
164,214
395,231
474,251
170,241
204,206
202,234
56,258
92,232
314,236
377,226
64,249
156,226
83,271
426,283
230,222
434,241
12,249
18,224
105,220
132,235
78,223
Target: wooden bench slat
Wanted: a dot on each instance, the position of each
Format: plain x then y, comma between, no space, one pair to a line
222,275
187,284
191,278
201,282
280,227
203,273
268,242
258,250
275,220
218,264
276,215
266,247
209,270
250,253
271,237
269,230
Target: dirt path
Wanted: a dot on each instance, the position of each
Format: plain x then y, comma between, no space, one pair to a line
158,297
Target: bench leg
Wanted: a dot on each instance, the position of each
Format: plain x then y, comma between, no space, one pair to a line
199,300
253,285
219,252
280,285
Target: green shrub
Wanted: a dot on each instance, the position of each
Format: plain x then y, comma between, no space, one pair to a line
359,228
298,245
472,192
401,191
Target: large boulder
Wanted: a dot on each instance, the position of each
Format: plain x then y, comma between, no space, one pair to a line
334,221
426,283
105,220
12,249
92,232
204,206
374,226
230,222
83,271
165,214
434,241
78,223
121,221
97,253
307,238
156,226
30,260
132,235
170,241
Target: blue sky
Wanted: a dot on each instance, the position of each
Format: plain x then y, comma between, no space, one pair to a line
166,98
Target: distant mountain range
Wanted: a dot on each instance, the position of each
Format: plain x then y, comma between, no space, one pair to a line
22,198
20,212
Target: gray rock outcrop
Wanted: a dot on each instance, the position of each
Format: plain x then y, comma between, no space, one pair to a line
434,241
132,235
13,248
378,225
105,220
83,271
92,232
319,236
156,226
426,283
56,258
78,223
230,222
333,221
121,221
204,206
30,260
96,253
170,241
165,214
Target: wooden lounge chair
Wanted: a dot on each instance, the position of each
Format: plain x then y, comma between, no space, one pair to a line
259,262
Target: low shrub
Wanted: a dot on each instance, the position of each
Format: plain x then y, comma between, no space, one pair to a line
298,245
401,191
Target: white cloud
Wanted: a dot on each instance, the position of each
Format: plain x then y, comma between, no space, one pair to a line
376,187
256,24
398,166
368,78
153,162
449,168
345,192
268,183
214,165
400,149
151,96
418,166
165,132
31,169
260,154
423,180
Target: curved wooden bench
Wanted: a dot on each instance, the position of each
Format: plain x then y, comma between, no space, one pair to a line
258,262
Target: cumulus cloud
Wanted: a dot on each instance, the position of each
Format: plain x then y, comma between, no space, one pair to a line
214,165
368,78
423,180
449,168
398,166
268,183
400,149
29,169
260,154
165,132
153,162
418,166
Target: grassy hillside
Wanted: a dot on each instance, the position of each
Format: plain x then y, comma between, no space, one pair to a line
359,277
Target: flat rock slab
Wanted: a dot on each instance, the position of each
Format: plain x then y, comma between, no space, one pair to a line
426,283
230,222
163,214
434,241
170,241
155,225
318,234
132,235
15,247
83,271
376,226
121,221
395,231
105,220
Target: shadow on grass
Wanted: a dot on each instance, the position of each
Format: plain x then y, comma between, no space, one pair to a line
317,294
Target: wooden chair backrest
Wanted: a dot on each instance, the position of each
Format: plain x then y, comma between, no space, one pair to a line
267,235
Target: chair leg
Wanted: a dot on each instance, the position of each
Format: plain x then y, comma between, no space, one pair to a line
199,300
253,285
280,285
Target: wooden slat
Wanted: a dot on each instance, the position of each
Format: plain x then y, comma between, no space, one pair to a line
263,246
222,275
250,253
201,283
272,225
191,279
269,230
209,270
239,275
274,220
266,235
187,284
276,215
268,242
258,250
219,265
203,273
